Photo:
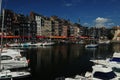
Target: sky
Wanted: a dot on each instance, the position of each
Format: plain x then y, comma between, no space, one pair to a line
90,13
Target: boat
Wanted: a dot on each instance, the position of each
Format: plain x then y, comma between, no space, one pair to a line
77,77
26,44
37,44
6,74
103,41
12,59
48,43
113,62
11,75
13,45
101,72
115,59
91,45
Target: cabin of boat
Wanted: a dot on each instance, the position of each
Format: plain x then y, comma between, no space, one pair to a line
13,59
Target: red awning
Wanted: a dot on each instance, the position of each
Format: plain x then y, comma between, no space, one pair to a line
58,37
25,36
10,36
40,37
84,37
71,37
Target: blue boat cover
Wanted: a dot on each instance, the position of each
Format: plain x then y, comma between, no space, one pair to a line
104,76
115,59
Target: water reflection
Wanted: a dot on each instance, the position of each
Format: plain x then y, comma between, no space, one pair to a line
58,61
51,62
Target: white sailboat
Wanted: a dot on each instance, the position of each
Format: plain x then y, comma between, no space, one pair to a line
92,43
103,41
48,43
7,74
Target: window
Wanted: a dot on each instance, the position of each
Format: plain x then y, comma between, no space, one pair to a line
5,57
17,58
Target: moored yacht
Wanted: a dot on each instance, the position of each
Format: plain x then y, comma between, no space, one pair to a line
113,62
11,59
103,41
11,75
77,77
114,59
48,43
101,72
37,44
13,45
91,45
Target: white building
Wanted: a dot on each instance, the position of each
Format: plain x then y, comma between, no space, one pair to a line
38,20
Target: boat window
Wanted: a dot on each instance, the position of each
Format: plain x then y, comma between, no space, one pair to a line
5,57
116,69
17,58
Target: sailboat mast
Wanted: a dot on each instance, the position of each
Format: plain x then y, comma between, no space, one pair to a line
2,34
3,12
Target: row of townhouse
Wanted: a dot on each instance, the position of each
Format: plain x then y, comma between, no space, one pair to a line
39,25
55,26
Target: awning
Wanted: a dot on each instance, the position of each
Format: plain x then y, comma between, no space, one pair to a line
25,36
84,37
10,36
58,37
71,37
40,37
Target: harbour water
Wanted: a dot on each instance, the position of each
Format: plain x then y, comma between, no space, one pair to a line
60,61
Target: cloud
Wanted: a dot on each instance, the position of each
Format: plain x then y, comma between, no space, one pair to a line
110,24
86,24
68,4
101,22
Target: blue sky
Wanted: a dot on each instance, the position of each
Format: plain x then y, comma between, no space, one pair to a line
90,12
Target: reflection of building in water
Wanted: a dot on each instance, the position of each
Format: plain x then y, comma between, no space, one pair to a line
56,55
116,47
43,57
38,59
